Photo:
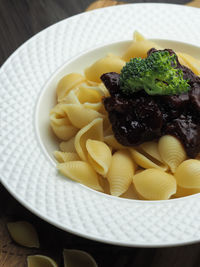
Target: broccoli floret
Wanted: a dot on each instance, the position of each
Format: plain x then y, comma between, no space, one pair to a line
157,75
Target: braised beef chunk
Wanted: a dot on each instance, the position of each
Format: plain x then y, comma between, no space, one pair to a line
111,81
194,96
140,117
131,119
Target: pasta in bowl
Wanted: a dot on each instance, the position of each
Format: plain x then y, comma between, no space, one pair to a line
89,151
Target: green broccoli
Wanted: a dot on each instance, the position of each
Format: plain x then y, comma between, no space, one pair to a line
157,75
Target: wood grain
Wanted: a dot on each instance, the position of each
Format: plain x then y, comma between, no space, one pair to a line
195,3
19,20
103,3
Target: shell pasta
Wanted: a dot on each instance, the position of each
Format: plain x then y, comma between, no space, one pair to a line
90,154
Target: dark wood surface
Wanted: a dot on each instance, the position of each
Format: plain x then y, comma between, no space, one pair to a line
19,20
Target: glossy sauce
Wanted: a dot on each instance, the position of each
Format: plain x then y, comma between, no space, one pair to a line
139,117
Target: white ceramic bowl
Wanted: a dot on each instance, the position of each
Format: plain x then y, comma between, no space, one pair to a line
27,167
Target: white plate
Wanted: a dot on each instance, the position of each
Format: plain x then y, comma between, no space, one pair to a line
26,168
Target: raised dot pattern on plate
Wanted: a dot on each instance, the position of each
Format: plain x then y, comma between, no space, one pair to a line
32,178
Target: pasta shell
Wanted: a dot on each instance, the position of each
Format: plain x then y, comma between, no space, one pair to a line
183,192
58,112
151,148
188,174
71,97
145,160
64,132
137,37
78,258
40,261
139,49
80,172
94,106
67,83
104,90
120,173
91,83
65,156
189,61
61,124
154,184
111,141
68,146
89,94
23,233
107,64
103,110
80,116
171,151
94,130
99,156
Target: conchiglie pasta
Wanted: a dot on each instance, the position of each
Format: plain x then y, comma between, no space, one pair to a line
183,192
68,146
60,123
145,160
81,172
111,141
67,83
65,156
95,106
71,97
93,130
80,116
137,37
188,174
103,89
154,184
99,156
139,49
107,64
151,148
120,173
171,151
89,94
64,132
190,62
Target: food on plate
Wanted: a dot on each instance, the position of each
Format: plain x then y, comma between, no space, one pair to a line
156,75
132,121
188,174
99,156
145,160
121,172
171,151
107,64
162,101
154,184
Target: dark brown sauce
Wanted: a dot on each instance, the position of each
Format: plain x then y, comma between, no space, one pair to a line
140,117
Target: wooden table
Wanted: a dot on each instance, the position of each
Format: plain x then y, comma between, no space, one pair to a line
19,20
